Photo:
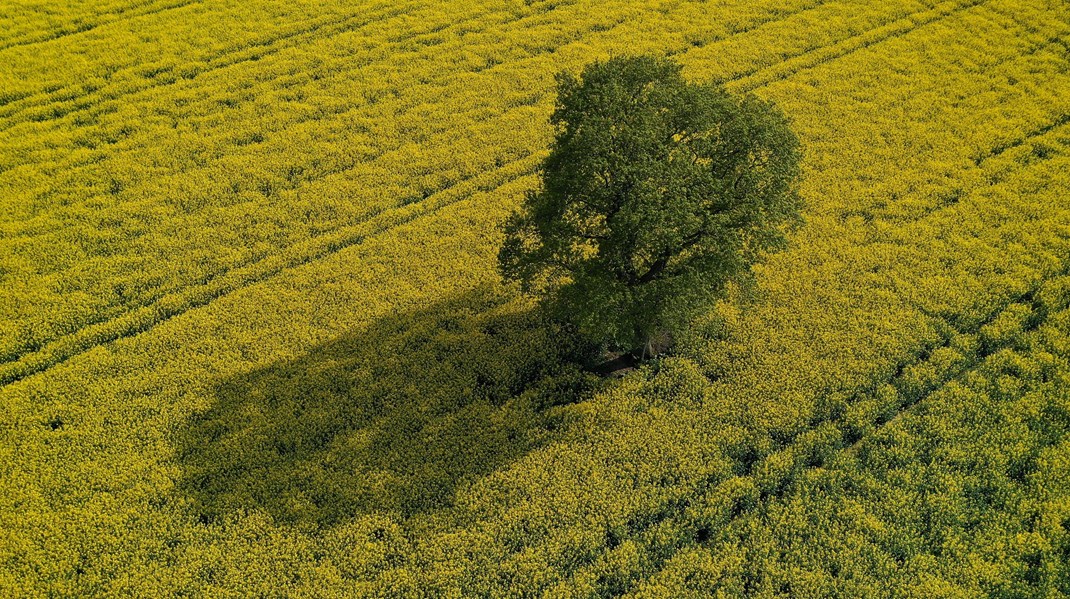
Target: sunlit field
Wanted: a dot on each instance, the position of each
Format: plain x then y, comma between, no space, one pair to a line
253,341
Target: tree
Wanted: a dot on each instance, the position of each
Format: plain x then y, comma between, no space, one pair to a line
655,194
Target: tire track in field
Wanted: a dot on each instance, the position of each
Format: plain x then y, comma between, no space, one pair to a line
694,45
123,14
255,50
1032,28
1057,122
850,443
31,363
826,54
437,85
946,198
79,163
822,440
147,317
32,21
947,201
245,51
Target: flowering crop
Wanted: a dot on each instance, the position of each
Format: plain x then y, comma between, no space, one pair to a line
253,342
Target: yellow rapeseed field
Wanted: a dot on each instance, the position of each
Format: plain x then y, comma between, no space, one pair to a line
253,343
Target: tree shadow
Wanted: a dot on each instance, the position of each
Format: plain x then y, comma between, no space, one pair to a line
392,418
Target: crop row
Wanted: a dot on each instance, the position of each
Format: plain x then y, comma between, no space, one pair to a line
44,23
39,81
142,319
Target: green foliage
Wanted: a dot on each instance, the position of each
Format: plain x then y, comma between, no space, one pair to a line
655,194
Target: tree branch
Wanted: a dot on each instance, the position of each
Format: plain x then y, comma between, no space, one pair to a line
658,266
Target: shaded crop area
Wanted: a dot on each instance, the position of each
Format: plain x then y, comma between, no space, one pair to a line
391,419
253,342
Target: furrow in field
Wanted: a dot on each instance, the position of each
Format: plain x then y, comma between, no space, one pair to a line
146,317
108,18
334,123
75,100
29,19
943,200
830,447
1026,138
817,56
796,34
72,103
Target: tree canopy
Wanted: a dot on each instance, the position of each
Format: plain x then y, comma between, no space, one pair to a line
656,193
